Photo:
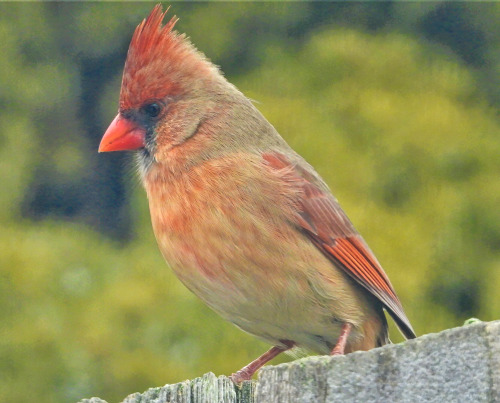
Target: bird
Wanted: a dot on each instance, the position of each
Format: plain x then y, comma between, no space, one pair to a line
245,223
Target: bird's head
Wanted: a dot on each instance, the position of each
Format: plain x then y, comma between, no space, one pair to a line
168,91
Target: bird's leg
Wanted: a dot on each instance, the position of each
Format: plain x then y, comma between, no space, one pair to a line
246,373
341,342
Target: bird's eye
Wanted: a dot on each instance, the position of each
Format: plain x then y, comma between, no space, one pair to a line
152,110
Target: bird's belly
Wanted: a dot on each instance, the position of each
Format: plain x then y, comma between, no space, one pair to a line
227,232
278,287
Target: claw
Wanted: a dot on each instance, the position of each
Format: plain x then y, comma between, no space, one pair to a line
246,373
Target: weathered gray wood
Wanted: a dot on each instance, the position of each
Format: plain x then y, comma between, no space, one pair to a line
206,389
457,365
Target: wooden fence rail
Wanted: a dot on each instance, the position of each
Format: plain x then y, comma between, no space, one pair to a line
456,365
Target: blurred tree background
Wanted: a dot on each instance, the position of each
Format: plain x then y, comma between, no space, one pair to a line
395,104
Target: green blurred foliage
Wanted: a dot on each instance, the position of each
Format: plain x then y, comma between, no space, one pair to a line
396,105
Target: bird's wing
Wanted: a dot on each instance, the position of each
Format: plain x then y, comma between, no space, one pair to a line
325,223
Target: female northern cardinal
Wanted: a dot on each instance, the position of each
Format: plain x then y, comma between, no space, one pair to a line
245,223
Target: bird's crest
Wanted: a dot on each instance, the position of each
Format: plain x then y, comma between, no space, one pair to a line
159,61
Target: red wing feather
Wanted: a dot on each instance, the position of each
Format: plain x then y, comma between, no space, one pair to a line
323,220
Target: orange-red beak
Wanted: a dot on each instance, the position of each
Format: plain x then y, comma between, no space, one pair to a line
122,135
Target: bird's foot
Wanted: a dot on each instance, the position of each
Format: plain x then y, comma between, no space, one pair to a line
246,373
339,348
241,375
